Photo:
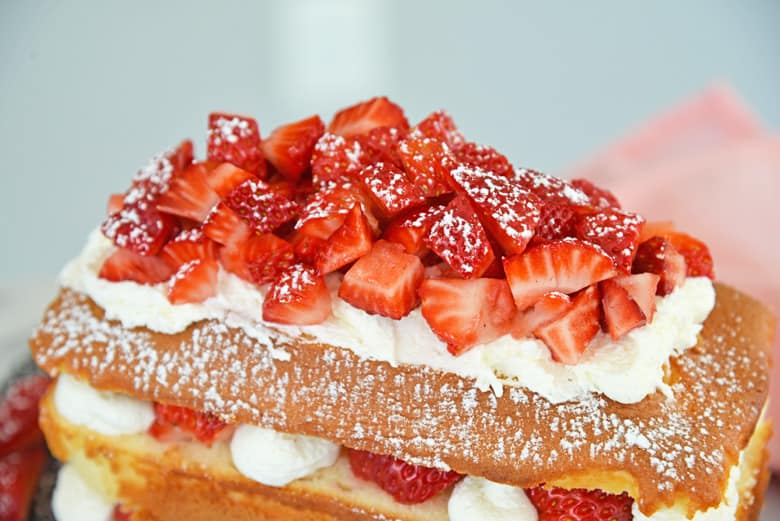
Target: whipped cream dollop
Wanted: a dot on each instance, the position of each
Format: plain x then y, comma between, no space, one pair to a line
626,370
75,500
477,498
105,412
277,458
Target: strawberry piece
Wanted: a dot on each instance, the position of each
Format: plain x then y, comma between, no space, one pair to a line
427,162
139,227
115,203
347,244
621,312
550,307
565,266
485,158
439,125
381,144
263,208
226,177
289,147
298,296
599,197
389,188
509,212
19,413
615,231
121,514
182,156
19,473
235,139
407,483
189,195
655,229
202,426
307,248
464,313
267,256
232,257
195,281
568,336
365,116
658,255
561,201
642,288
188,245
125,265
225,226
325,211
335,158
154,178
557,504
410,230
460,240
384,282
697,256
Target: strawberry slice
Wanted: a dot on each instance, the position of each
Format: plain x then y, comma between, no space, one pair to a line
485,158
226,177
235,139
125,265
439,125
361,118
547,309
659,256
19,412
189,195
427,162
232,257
225,226
561,202
384,282
599,197
565,266
460,240
389,189
195,281
188,245
381,144
263,208
289,147
642,288
336,158
568,336
266,257
298,296
307,248
347,244
697,256
325,211
202,426
464,313
408,484
410,230
139,227
115,203
509,212
615,231
656,229
621,312
557,504
19,473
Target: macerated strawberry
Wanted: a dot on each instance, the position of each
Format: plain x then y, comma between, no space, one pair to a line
19,473
348,243
484,157
19,415
225,226
115,203
336,158
407,483
557,504
599,197
194,281
126,265
226,177
427,162
298,296
464,313
381,144
561,201
189,195
267,256
139,227
550,307
697,256
568,336
236,139
384,282
410,230
289,147
325,211
202,426
460,240
509,212
389,189
188,245
621,312
565,266
641,287
614,231
361,118
439,125
263,208
658,255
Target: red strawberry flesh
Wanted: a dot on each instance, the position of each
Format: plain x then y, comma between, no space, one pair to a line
125,265
189,195
298,296
19,473
389,188
19,414
621,312
236,139
289,148
568,336
365,116
204,427
557,504
485,158
347,244
194,281
263,208
614,231
658,255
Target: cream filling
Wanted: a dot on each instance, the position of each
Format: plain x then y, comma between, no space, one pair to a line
477,498
75,500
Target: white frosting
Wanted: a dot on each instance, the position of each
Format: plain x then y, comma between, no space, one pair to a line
105,412
74,500
276,458
477,498
626,371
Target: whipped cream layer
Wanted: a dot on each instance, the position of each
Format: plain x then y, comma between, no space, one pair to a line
74,500
626,371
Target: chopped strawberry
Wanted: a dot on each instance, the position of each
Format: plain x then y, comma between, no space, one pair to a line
19,473
139,227
641,287
307,248
226,177
509,212
154,178
381,144
389,189
561,200
566,266
697,256
621,312
550,307
298,296
460,240
485,158
232,257
19,414
599,197
655,229
195,281
289,147
427,163
407,483
439,125
267,256
202,426
361,118
261,207
410,230
125,265
659,256
225,226
236,139
182,156
188,245
557,504
568,336
115,203
384,282
335,158
347,244
189,195
325,211
121,514
464,313
614,231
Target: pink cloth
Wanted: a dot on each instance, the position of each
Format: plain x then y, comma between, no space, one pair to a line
709,167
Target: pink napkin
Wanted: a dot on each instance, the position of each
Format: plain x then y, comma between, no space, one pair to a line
709,167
